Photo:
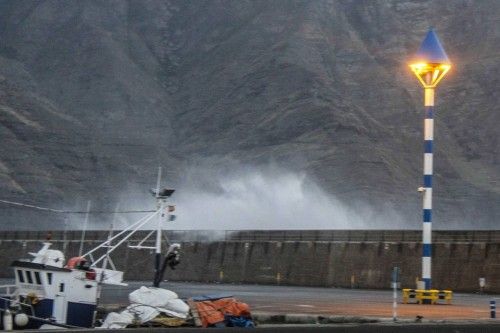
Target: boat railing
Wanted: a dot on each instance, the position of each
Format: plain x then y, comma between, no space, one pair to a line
8,290
13,301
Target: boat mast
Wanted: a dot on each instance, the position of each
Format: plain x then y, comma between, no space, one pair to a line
161,196
160,207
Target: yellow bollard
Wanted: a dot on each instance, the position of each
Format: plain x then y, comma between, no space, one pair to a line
221,275
278,278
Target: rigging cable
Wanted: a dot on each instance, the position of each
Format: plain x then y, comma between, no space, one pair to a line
61,211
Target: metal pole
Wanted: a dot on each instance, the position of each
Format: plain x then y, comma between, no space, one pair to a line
132,228
136,226
395,302
65,234
84,229
160,203
395,280
104,265
427,197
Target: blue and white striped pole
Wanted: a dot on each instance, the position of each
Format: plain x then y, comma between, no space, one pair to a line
430,65
427,200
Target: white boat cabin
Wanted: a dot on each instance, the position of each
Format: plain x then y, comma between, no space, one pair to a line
66,294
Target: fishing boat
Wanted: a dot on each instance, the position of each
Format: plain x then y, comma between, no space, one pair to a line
49,290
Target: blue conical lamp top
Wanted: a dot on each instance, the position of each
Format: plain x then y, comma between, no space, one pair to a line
431,50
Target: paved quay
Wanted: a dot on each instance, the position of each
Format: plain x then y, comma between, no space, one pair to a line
433,328
320,301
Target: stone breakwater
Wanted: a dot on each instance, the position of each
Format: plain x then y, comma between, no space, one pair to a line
348,259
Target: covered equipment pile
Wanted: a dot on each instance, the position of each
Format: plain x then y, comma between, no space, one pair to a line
155,306
222,311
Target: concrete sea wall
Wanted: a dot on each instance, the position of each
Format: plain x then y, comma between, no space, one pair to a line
358,259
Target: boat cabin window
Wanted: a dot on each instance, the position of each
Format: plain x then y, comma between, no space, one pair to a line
61,287
37,278
20,276
28,275
49,278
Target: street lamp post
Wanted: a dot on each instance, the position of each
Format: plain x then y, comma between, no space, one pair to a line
430,65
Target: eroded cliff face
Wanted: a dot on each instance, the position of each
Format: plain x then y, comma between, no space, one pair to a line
94,95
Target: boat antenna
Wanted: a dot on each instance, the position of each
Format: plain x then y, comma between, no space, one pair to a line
65,234
80,252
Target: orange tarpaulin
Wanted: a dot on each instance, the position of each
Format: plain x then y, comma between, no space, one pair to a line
212,312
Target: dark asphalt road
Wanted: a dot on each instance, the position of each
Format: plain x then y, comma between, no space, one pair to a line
484,328
316,301
329,301
322,301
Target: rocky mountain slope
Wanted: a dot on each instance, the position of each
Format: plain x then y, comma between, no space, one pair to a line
94,95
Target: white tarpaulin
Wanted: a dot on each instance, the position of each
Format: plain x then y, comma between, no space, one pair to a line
146,304
176,305
151,296
117,320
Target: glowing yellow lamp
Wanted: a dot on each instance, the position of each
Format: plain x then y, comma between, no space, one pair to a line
430,74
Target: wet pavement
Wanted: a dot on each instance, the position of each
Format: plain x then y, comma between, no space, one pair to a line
319,301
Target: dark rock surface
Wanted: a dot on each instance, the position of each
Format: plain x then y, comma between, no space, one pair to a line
94,95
